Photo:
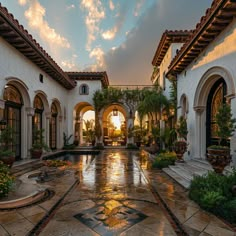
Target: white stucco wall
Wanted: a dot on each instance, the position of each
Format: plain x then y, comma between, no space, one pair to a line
74,98
221,53
170,54
17,69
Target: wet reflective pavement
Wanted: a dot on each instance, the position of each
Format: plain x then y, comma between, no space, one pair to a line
113,194
112,198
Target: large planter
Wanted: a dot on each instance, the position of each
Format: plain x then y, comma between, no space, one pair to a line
180,148
36,153
8,160
218,158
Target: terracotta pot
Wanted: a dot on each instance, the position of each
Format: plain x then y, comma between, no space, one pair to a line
180,148
8,160
219,159
36,153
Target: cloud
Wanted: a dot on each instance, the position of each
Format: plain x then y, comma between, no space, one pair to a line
111,5
120,19
22,2
98,54
138,6
35,16
72,6
130,63
110,34
95,13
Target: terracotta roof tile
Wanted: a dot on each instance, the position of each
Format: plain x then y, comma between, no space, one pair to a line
215,20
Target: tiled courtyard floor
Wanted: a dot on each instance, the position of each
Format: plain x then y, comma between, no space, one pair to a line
115,194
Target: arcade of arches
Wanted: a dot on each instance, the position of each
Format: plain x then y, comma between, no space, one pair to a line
115,120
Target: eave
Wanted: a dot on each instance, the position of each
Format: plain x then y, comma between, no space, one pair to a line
217,18
102,76
15,34
169,37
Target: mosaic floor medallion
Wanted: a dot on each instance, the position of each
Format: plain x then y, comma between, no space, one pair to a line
110,217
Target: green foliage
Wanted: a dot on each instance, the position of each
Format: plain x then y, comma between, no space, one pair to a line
182,128
131,146
6,180
213,192
38,140
6,141
228,211
225,123
212,199
164,160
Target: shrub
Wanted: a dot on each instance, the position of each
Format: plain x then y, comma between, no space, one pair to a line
228,211
131,146
214,193
6,180
164,160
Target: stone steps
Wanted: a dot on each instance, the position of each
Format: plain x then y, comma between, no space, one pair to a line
184,172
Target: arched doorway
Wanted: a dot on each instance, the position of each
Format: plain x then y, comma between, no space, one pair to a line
53,127
84,117
12,115
114,124
215,98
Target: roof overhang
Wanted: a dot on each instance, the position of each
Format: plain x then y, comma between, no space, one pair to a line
216,19
15,34
169,37
102,76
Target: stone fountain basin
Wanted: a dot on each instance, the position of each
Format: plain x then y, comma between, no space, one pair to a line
25,192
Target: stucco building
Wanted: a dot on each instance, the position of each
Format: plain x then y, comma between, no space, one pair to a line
36,92
204,68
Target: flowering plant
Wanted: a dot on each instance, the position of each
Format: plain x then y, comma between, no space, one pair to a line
6,180
56,163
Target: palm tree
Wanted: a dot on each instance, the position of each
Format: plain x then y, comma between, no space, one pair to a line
89,130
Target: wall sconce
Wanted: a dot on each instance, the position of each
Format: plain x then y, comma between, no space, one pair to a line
3,124
115,111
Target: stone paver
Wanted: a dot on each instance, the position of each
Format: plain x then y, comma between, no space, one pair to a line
113,198
194,220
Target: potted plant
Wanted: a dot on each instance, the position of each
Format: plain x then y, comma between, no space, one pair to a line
219,155
7,155
38,143
180,146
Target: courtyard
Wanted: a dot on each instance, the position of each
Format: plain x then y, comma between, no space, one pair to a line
113,193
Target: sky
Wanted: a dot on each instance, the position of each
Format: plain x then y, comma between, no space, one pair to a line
116,36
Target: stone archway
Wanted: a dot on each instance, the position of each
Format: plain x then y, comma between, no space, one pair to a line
200,103
79,110
110,123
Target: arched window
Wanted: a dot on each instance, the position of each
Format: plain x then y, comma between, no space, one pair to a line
84,89
38,113
184,105
53,127
12,115
216,98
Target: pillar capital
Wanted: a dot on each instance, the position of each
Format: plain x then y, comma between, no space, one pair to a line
199,109
48,115
29,111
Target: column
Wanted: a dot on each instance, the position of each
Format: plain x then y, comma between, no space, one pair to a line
47,131
199,132
30,114
59,133
130,126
